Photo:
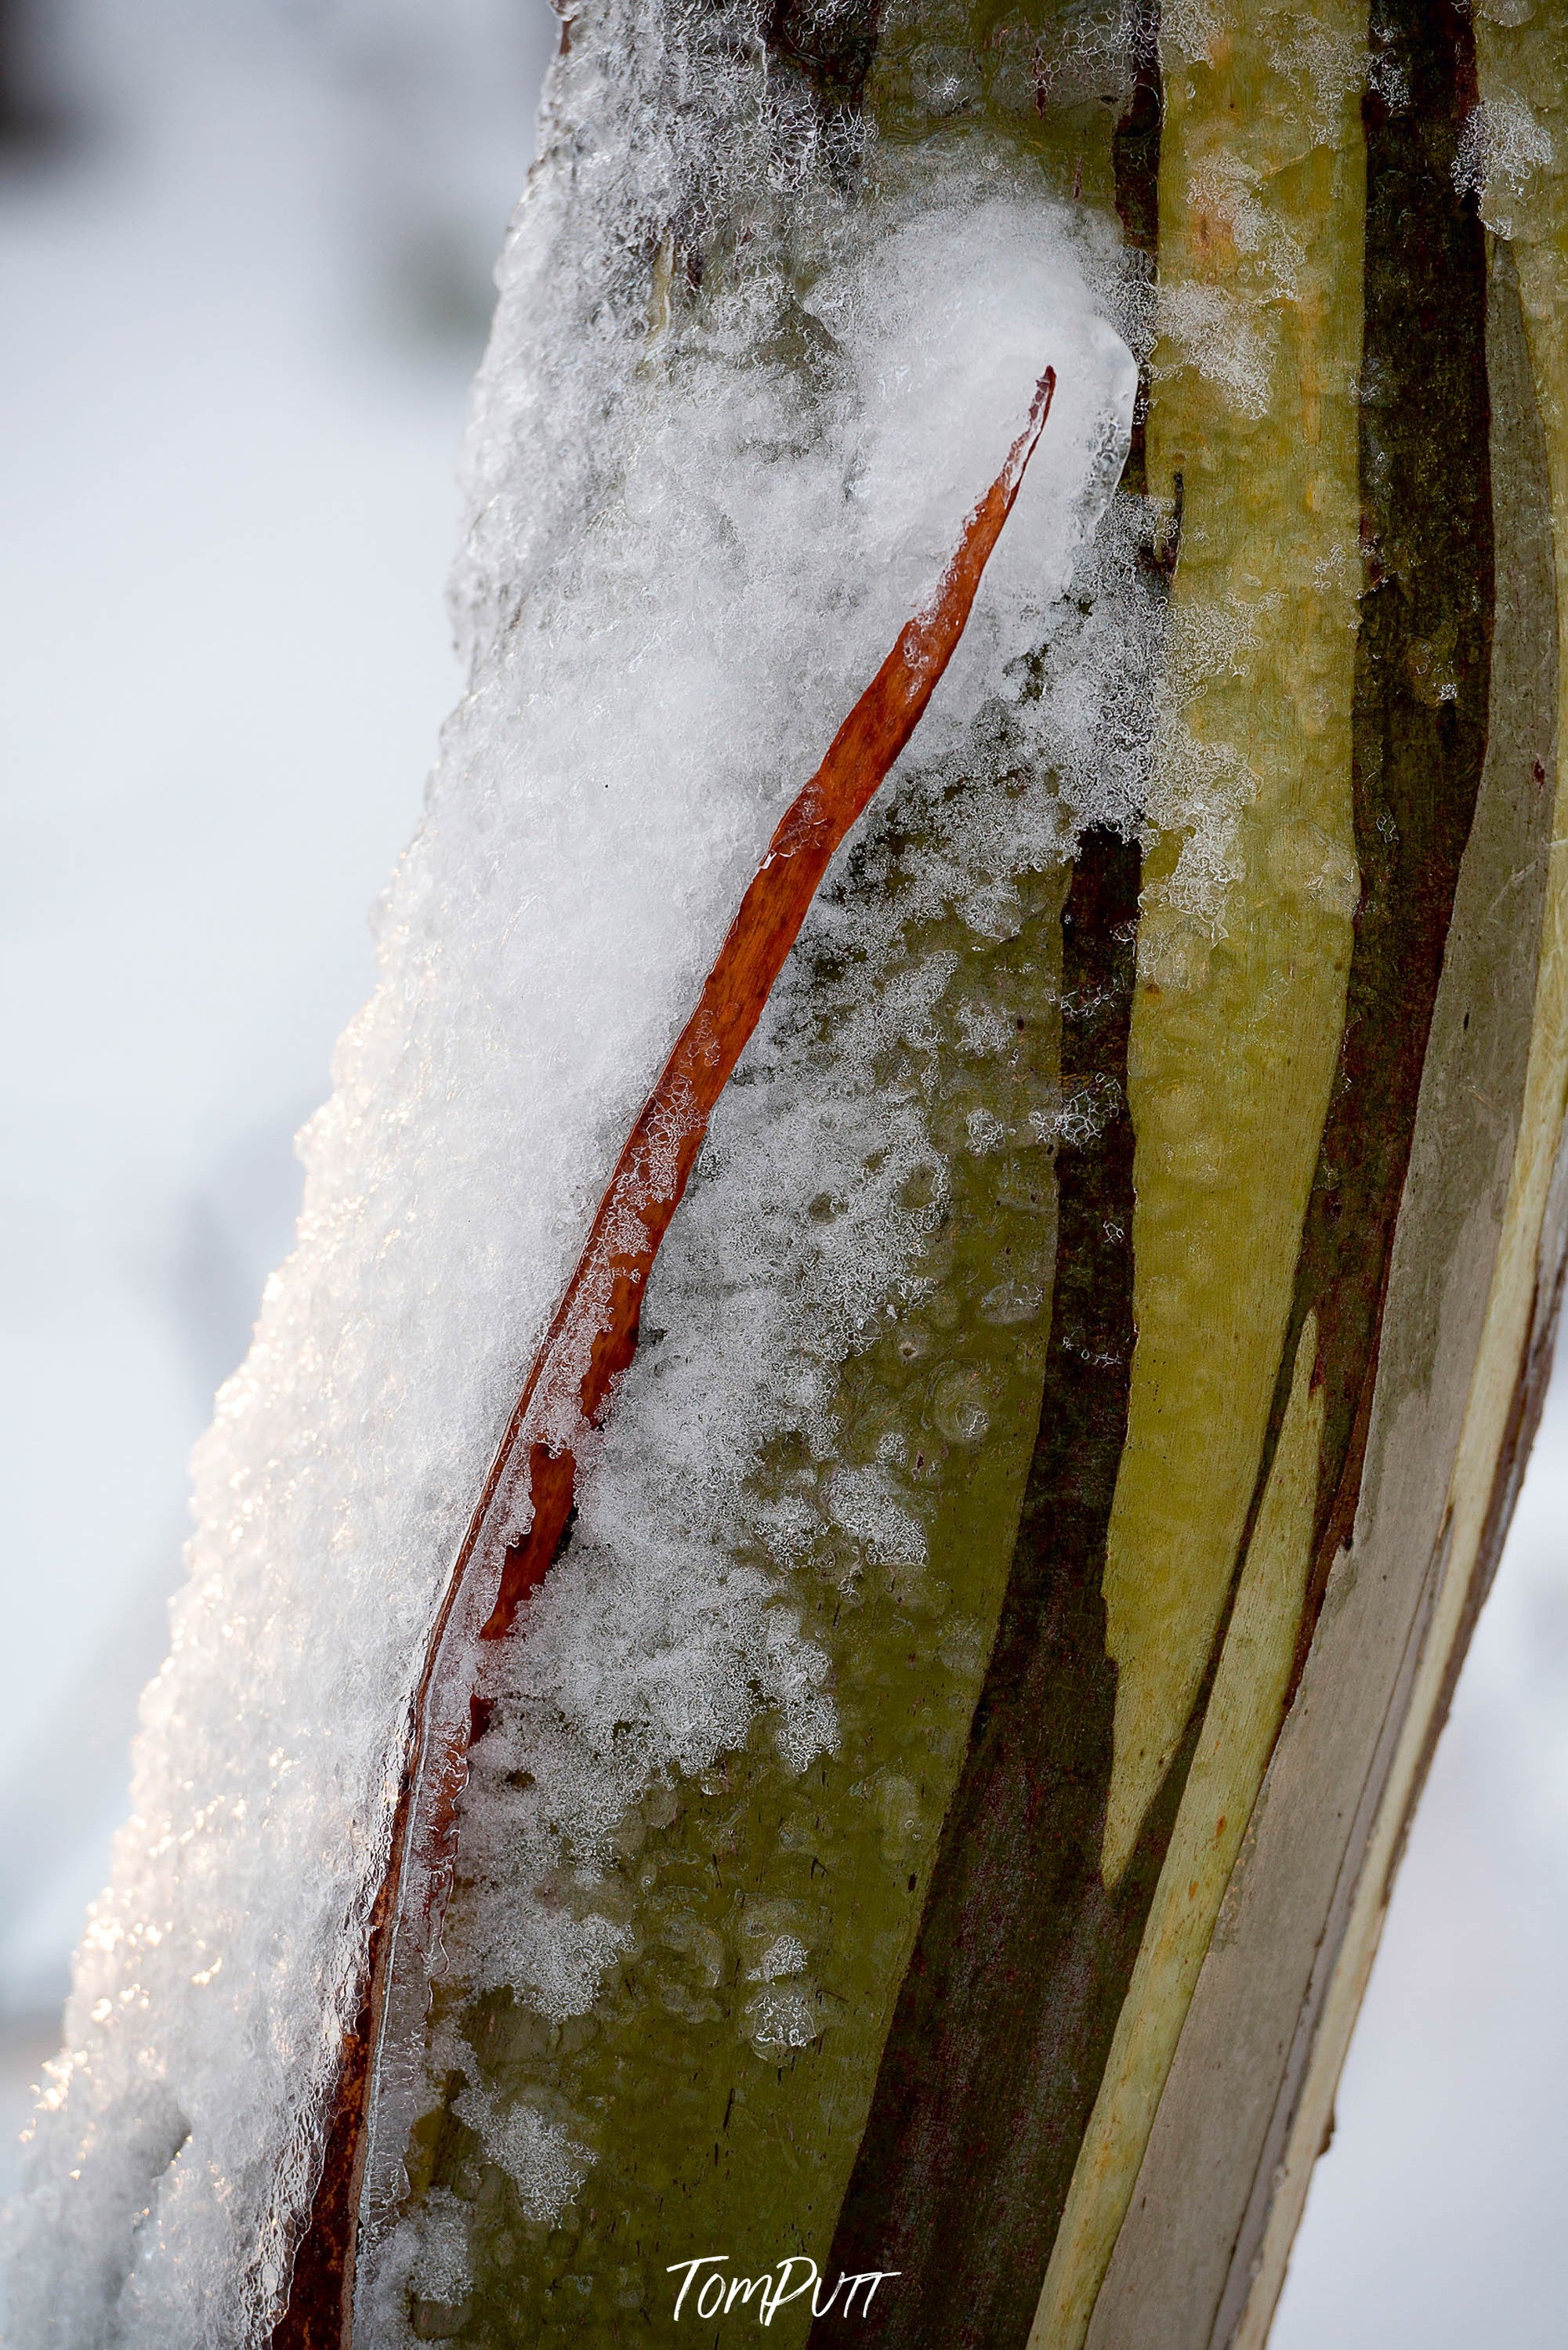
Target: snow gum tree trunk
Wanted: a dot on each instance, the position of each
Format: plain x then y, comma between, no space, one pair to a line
890,1829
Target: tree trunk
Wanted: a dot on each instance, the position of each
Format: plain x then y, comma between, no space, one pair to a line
928,1827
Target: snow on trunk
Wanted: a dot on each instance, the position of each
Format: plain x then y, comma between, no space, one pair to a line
698,518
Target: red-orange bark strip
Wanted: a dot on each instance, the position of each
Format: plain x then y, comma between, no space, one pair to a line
593,1335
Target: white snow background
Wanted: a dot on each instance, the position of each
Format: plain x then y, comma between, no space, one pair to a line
236,392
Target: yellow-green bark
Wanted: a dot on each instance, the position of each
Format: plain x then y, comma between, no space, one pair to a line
1245,940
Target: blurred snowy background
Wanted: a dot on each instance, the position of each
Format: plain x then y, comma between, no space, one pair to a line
245,254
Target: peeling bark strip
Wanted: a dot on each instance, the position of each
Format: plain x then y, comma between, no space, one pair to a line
589,1344
1423,680
1006,2014
1522,1425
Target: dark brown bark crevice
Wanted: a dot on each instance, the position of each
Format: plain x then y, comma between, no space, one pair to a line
1134,161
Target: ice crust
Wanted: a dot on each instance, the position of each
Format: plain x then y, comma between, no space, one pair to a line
1503,144
694,530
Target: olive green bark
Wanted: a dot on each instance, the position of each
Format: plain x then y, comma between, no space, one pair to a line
722,2109
1246,935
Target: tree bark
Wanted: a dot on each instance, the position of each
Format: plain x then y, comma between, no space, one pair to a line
1227,1382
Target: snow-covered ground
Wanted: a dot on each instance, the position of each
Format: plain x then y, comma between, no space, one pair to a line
244,288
